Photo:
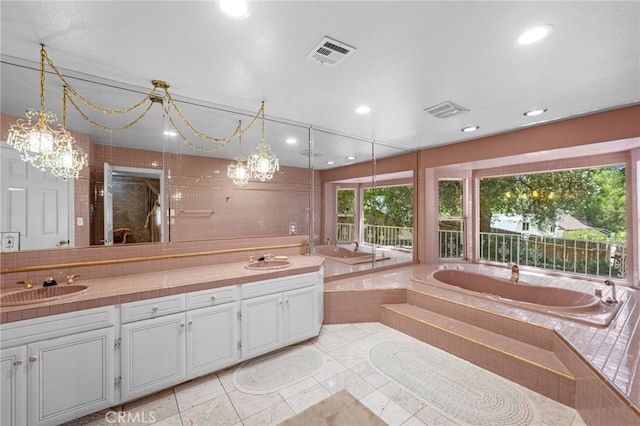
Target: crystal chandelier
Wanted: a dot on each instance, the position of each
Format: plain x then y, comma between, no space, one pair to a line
45,147
237,170
263,163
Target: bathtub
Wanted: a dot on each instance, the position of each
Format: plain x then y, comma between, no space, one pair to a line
344,255
560,302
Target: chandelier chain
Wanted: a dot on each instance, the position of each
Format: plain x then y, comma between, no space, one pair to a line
105,128
43,54
87,101
70,94
201,135
191,144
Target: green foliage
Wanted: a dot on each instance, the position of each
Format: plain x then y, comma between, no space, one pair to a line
346,201
606,207
585,234
389,206
596,196
450,198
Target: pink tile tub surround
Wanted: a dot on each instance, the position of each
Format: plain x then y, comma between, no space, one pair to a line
604,360
565,303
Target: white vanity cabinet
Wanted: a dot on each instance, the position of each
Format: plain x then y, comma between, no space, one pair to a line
279,312
168,340
62,367
13,386
58,368
212,330
152,346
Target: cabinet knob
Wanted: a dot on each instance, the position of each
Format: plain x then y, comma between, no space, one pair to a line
213,297
33,358
155,308
286,301
181,324
190,322
17,363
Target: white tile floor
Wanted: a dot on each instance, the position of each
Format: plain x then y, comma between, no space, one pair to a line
214,400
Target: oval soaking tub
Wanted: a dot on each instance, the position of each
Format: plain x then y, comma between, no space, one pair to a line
560,302
344,255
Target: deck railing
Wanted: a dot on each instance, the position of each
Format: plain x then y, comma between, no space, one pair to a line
391,236
596,258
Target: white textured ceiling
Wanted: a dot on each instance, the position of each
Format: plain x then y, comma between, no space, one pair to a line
409,55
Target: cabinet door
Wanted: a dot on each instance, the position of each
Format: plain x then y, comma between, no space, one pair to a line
70,376
13,386
152,355
212,339
261,325
300,314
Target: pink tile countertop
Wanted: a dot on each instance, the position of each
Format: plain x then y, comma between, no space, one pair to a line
613,350
129,288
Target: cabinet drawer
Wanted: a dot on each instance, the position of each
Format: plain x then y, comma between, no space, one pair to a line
277,285
52,326
212,297
152,308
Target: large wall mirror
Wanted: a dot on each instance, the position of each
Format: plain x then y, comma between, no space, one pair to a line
154,180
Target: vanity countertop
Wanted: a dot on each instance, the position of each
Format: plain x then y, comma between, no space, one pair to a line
129,288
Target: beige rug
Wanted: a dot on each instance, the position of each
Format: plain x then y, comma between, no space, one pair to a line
459,390
340,409
278,370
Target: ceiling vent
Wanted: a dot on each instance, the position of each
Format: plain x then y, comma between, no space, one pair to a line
445,109
307,153
330,52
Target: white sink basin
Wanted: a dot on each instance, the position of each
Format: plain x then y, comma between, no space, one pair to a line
42,294
268,264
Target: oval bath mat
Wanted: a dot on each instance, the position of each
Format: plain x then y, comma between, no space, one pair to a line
278,370
457,389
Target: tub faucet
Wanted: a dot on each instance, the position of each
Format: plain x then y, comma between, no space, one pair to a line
613,298
357,245
515,273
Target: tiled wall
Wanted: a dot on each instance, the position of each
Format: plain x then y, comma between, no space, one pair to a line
207,205
256,215
139,258
358,306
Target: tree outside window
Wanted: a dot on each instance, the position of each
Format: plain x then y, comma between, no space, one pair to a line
575,220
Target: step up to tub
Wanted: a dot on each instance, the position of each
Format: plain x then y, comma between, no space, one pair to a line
526,364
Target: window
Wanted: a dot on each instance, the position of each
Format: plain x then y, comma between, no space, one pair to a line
575,220
388,216
450,219
345,214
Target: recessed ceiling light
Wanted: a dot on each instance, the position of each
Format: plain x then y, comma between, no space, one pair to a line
535,34
363,109
330,162
234,8
535,112
170,133
291,141
470,128
351,157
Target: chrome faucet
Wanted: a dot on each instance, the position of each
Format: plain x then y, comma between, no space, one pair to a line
357,246
613,298
515,274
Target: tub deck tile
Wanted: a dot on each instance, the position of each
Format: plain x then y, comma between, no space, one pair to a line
622,371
